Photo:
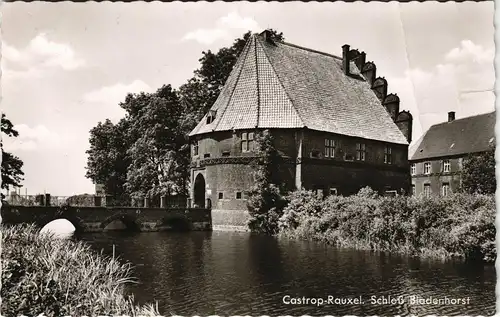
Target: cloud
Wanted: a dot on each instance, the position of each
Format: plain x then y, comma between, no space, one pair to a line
34,138
224,28
116,93
107,99
463,83
40,54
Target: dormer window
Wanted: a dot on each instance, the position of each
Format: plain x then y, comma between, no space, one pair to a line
211,116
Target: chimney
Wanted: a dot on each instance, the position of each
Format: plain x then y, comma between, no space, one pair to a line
345,58
451,116
267,36
361,60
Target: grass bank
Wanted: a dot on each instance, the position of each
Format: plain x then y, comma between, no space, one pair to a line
459,226
56,277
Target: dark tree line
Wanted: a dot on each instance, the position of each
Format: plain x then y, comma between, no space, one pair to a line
146,154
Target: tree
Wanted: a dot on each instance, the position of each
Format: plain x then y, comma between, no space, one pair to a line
266,198
12,174
159,143
107,161
478,173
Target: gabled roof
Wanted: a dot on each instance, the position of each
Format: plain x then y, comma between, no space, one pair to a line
280,85
458,137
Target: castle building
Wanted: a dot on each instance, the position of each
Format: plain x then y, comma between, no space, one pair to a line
334,125
436,158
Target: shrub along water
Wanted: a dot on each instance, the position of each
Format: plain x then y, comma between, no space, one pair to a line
459,225
42,274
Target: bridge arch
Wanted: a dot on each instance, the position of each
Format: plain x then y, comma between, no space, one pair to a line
176,223
128,222
75,221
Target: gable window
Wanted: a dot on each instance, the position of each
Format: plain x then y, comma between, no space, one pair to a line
445,189
211,116
427,190
195,148
360,151
388,155
413,169
329,148
427,167
446,166
247,141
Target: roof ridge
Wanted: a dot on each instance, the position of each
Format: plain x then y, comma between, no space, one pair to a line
236,80
281,83
310,50
257,82
462,119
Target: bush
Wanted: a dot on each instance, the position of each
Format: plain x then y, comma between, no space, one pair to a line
41,274
454,226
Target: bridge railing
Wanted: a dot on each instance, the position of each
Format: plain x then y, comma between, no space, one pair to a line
94,201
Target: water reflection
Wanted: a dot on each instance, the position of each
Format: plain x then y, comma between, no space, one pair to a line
234,273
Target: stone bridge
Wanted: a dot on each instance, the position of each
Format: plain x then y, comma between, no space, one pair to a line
97,219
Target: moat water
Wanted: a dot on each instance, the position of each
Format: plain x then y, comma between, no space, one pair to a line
236,273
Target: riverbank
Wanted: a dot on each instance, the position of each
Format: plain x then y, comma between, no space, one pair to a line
42,274
456,226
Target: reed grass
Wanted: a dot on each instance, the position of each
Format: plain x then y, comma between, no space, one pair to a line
56,277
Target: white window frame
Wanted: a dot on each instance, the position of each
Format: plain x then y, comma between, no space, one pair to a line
392,191
445,189
413,190
333,191
427,194
413,169
446,166
428,170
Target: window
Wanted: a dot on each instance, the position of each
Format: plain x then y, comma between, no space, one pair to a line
206,155
238,195
427,168
211,116
391,193
413,190
221,195
445,189
329,148
195,148
427,190
446,166
413,169
226,153
388,155
247,141
333,191
360,151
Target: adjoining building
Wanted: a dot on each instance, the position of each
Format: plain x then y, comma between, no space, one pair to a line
436,158
334,125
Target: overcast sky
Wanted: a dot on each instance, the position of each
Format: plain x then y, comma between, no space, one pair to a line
66,66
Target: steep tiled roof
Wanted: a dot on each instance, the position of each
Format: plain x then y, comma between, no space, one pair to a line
462,136
280,85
